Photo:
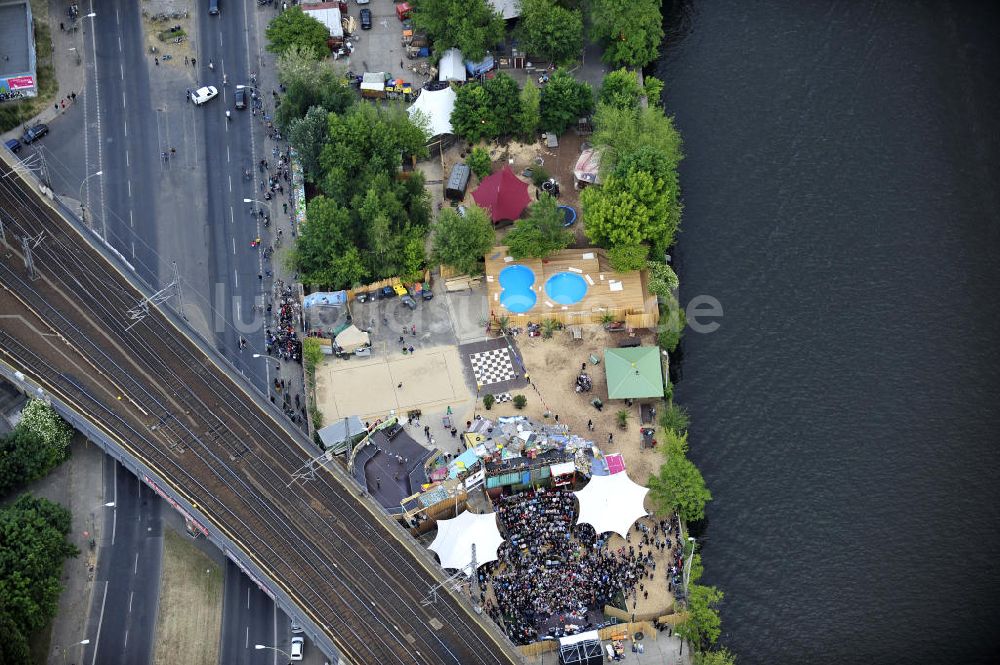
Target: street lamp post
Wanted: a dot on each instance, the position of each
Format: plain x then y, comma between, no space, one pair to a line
258,647
83,206
70,646
687,567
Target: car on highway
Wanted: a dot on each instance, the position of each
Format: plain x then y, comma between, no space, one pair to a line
240,98
296,627
297,649
202,95
13,145
366,19
34,133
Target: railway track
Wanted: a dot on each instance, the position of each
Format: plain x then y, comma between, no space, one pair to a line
154,390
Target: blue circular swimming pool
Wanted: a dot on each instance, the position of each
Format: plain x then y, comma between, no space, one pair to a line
566,288
516,294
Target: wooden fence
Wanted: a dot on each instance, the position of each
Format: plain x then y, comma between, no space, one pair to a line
620,631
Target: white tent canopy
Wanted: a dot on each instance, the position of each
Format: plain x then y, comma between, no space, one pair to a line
352,338
451,67
611,503
456,537
437,105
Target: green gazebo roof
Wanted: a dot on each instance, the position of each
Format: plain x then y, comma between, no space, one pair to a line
634,372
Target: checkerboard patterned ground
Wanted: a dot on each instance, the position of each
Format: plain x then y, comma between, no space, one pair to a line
494,366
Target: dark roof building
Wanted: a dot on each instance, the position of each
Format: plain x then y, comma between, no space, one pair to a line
18,77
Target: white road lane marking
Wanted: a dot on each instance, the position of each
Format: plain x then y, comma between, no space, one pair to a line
133,250
237,279
130,221
129,188
230,183
131,595
97,640
234,246
122,68
126,157
135,566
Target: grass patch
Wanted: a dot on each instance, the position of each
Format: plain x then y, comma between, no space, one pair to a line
189,620
167,35
13,114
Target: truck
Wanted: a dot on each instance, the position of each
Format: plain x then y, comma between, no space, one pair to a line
373,85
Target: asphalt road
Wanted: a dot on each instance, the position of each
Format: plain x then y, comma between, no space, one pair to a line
227,41
249,617
184,213
122,621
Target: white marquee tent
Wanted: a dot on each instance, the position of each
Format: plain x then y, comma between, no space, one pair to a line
437,105
451,67
456,537
611,503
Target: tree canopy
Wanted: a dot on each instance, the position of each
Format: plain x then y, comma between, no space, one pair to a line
33,546
639,202
550,31
703,625
540,233
39,443
309,84
721,656
293,27
363,142
662,279
631,35
307,136
485,110
461,241
528,116
679,486
620,89
564,101
624,131
629,210
472,26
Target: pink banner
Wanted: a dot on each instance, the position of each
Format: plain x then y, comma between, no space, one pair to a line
21,82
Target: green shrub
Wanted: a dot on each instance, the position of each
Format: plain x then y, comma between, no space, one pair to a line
488,401
675,418
479,161
520,401
539,175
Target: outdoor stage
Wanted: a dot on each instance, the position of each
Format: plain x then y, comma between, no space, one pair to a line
391,467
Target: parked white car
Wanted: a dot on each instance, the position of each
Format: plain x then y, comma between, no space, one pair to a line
202,95
298,647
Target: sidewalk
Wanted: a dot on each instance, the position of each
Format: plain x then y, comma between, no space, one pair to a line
275,286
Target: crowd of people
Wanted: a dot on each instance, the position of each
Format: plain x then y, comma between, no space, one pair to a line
553,576
282,342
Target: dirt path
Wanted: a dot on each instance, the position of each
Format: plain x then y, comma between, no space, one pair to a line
189,621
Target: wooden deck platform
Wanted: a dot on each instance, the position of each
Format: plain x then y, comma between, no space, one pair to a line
623,295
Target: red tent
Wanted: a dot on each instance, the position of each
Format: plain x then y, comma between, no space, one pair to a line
503,194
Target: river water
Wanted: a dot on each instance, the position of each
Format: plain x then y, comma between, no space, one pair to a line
842,204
